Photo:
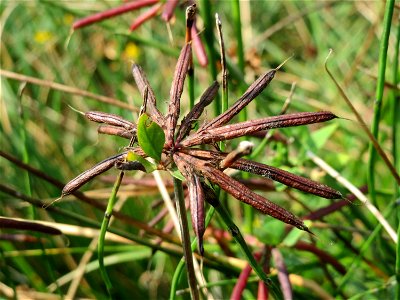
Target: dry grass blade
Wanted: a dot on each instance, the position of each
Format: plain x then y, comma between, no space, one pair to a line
206,98
236,130
142,83
21,224
66,89
356,192
176,93
243,193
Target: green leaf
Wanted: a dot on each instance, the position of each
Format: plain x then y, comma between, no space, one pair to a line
271,231
175,172
320,136
146,164
295,235
151,137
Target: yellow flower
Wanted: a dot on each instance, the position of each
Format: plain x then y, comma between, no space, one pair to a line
42,37
131,52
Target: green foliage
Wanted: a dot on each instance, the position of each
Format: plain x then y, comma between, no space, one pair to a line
151,137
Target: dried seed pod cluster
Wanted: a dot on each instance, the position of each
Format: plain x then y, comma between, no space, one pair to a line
202,168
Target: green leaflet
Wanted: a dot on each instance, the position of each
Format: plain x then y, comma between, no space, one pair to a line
150,136
146,164
175,172
322,135
294,235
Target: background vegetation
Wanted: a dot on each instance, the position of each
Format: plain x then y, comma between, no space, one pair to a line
39,128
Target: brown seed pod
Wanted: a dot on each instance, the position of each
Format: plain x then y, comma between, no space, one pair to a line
243,193
206,98
289,179
142,82
111,130
88,175
196,197
176,93
252,92
236,130
110,119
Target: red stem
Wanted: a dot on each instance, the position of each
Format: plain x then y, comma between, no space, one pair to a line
112,13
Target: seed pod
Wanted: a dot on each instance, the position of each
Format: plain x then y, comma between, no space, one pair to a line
88,175
236,130
130,166
110,130
142,83
206,98
243,193
289,179
176,93
196,196
243,149
110,119
252,92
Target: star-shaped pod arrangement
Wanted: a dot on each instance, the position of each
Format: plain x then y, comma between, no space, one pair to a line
173,147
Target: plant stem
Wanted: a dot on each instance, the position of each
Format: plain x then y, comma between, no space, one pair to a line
181,210
205,10
103,230
395,148
364,247
379,95
181,264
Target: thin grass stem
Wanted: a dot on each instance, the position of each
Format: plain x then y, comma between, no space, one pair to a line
364,247
181,264
103,230
205,10
379,96
181,210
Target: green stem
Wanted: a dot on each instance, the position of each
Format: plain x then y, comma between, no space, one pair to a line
181,210
379,95
366,245
237,22
103,230
395,148
181,264
205,11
